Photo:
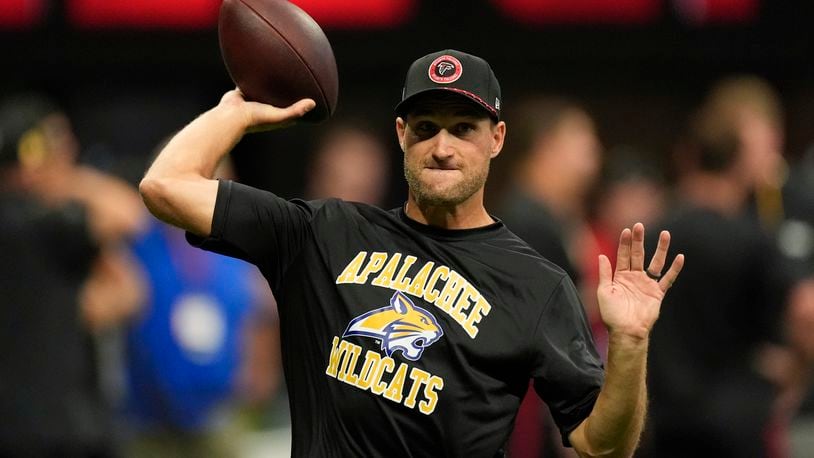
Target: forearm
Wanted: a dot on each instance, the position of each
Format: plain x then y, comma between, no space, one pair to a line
196,150
616,421
178,187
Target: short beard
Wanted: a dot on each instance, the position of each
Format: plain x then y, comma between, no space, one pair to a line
451,197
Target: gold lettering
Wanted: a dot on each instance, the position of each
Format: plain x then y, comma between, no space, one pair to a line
419,378
387,364
431,294
386,277
400,282
420,280
369,368
333,359
480,310
344,347
428,406
463,303
393,392
349,274
373,266
450,291
355,351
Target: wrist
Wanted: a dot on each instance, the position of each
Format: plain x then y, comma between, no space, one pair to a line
233,114
629,338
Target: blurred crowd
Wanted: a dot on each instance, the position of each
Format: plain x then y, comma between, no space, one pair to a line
119,339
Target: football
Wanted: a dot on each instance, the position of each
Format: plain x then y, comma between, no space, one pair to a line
277,54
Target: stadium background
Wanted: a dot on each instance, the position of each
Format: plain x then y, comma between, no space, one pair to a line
129,73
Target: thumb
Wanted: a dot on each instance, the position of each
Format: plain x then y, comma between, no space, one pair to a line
605,271
267,117
267,114
301,107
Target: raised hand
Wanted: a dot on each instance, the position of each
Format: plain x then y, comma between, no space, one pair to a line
260,117
630,297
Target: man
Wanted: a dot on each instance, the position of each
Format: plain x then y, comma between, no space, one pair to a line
414,332
63,276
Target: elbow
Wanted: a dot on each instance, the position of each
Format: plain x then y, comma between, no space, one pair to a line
153,191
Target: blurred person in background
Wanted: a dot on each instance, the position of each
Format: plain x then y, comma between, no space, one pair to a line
555,160
749,107
555,157
203,357
350,163
795,239
65,278
708,392
782,202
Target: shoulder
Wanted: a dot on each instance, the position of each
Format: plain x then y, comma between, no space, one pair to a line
334,209
523,256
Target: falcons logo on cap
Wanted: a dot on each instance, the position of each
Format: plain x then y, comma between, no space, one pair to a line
445,69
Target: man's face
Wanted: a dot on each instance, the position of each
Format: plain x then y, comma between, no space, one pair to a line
448,143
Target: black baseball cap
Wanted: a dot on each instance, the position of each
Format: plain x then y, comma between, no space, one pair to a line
454,71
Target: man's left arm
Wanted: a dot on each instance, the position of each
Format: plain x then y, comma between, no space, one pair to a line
629,302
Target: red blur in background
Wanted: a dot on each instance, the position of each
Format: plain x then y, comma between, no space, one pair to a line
373,14
173,14
16,14
581,11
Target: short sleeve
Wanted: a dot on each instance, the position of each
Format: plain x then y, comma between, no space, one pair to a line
568,372
257,226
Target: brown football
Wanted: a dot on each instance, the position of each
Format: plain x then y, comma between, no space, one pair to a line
277,54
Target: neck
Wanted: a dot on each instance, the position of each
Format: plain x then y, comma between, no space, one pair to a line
717,192
469,214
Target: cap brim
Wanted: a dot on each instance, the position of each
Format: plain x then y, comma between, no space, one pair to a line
405,104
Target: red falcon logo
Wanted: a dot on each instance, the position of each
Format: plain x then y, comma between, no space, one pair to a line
445,69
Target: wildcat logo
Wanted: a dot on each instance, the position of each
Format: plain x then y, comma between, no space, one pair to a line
401,326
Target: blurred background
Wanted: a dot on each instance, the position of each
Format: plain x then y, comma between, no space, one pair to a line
624,111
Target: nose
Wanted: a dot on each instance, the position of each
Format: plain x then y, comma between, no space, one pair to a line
444,147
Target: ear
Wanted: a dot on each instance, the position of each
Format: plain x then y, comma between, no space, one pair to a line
401,303
498,136
401,129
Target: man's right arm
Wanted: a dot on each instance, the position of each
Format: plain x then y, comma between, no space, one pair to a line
178,188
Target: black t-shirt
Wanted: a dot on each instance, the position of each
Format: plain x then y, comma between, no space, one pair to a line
47,394
533,222
401,339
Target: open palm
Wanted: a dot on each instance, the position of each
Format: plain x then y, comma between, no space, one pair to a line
630,297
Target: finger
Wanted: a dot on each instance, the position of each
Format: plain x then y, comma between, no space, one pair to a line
268,114
300,107
670,277
660,256
637,248
267,117
623,252
605,273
